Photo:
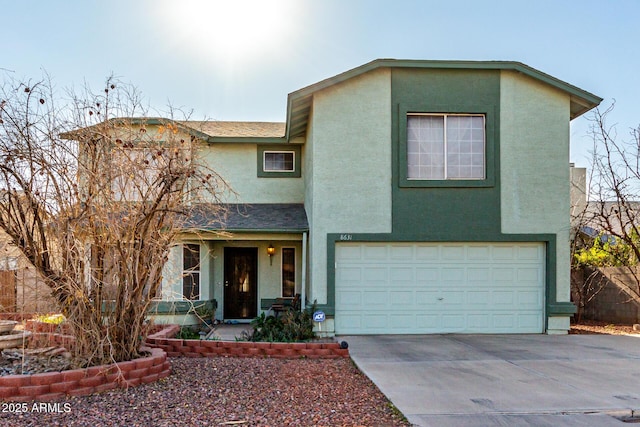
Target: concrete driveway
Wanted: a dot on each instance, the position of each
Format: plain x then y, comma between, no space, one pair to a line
510,380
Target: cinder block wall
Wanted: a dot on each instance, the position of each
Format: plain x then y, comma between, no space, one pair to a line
614,302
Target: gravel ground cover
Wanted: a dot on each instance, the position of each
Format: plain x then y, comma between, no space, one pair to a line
228,391
596,327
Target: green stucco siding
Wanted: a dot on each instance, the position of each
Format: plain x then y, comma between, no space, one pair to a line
351,170
453,211
535,161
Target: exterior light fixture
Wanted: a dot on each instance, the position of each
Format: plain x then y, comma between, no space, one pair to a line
271,252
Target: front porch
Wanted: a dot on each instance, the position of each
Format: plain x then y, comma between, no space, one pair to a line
260,255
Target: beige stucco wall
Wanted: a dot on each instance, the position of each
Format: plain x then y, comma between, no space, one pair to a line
237,164
534,163
578,194
350,142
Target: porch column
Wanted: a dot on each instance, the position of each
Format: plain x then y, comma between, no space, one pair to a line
303,289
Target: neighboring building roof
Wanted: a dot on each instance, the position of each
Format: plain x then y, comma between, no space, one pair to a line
299,102
207,130
242,217
610,217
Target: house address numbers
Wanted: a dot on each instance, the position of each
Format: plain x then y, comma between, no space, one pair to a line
346,237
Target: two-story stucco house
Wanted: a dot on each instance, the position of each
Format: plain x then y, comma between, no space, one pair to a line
402,196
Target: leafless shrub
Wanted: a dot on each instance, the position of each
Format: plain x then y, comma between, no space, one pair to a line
94,195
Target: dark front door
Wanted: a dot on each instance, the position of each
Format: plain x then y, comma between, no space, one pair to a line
240,283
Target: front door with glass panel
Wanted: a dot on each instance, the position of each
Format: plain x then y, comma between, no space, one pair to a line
240,283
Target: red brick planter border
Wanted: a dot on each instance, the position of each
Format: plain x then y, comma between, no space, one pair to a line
211,348
78,382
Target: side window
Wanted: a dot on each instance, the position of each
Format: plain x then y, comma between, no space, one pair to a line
279,161
288,272
191,271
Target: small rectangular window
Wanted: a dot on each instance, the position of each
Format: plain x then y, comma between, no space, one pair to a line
445,147
191,271
279,161
288,272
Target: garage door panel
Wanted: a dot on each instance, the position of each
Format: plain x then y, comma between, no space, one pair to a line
439,288
504,253
529,253
375,299
478,322
453,297
400,299
530,299
479,253
453,275
375,252
427,253
401,253
453,322
401,322
427,297
401,274
349,253
375,275
427,275
376,322
349,276
479,275
503,298
479,298
506,275
453,252
527,274
504,321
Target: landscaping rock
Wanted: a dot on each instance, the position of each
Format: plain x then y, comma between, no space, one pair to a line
231,391
16,361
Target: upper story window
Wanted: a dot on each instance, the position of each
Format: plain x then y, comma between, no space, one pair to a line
279,161
446,147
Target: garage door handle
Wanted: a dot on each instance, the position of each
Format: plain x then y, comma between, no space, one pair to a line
440,299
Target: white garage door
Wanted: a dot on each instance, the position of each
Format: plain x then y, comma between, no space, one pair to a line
424,288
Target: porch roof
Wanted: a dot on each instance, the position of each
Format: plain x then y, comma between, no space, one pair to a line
245,217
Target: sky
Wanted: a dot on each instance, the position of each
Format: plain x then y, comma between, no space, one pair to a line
238,59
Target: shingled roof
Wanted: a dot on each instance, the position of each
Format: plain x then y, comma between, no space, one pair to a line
242,217
238,129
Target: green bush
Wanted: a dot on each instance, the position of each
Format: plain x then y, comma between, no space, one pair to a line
290,326
605,254
188,333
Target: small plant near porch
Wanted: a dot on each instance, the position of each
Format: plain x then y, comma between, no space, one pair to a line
290,326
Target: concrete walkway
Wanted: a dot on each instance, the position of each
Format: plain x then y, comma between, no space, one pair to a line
510,380
227,332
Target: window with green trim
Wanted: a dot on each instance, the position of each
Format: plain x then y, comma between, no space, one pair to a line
279,161
446,147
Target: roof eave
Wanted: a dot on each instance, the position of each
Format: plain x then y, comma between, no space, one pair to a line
299,102
147,121
245,140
